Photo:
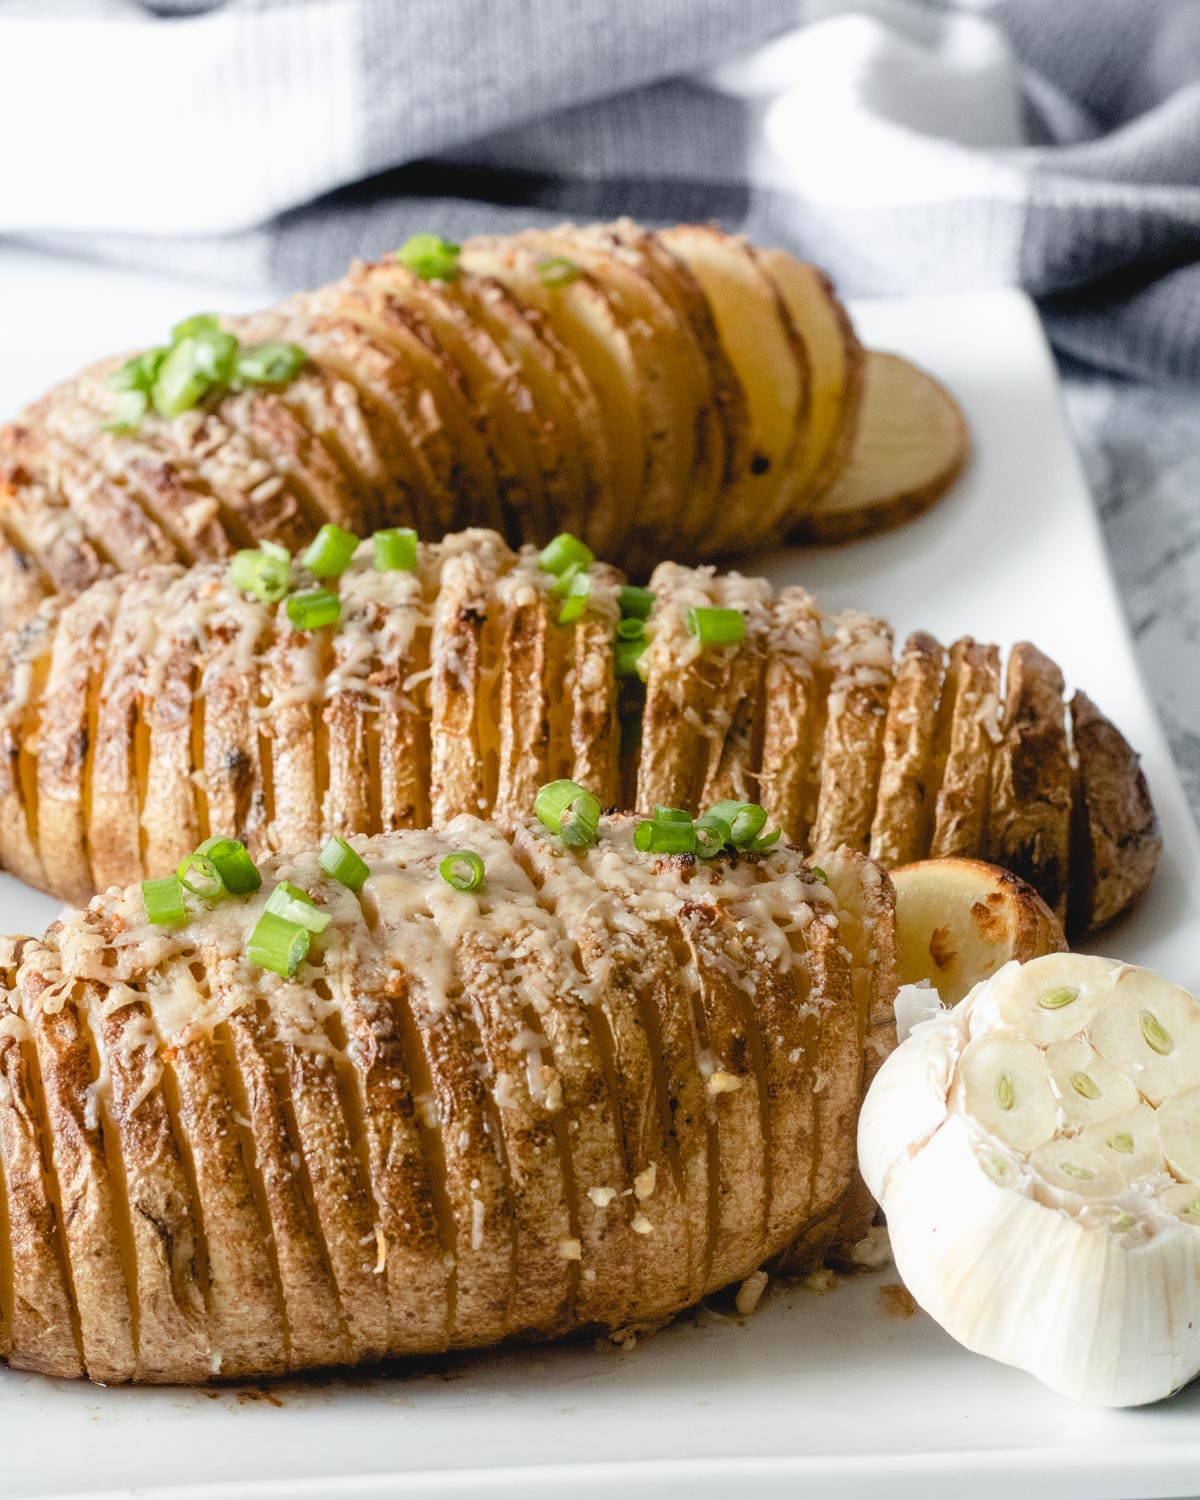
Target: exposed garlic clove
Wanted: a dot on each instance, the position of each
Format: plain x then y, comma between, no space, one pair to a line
1128,1142
1089,1088
1179,1132
1070,989
1006,1090
1150,1028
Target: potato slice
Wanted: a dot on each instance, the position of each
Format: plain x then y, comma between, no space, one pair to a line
838,363
910,446
907,785
959,920
772,365
1117,842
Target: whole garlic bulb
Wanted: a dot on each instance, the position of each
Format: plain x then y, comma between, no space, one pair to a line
1037,1153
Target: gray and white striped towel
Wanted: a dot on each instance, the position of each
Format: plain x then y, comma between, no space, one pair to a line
1052,144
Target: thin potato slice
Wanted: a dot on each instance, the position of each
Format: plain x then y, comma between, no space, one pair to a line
910,445
904,807
858,666
968,733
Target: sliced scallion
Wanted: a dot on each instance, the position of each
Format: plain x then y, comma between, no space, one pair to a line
343,863
127,415
231,859
163,900
198,323
215,355
712,835
278,945
181,382
570,811
297,906
575,603
653,837
262,574
557,270
746,820
635,603
565,551
627,658
395,550
717,627
314,609
269,364
631,629
137,374
329,553
463,869
430,257
671,814
198,874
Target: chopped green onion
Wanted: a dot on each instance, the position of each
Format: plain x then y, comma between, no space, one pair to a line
746,820
565,551
463,869
269,364
627,658
654,837
181,382
128,413
717,627
636,604
767,840
819,874
631,630
430,257
570,811
261,573
198,874
395,550
197,323
557,270
671,814
314,609
565,581
238,872
712,834
163,900
575,603
329,553
278,945
343,864
216,355
137,374
296,906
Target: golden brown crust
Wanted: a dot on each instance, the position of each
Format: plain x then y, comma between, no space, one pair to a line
904,806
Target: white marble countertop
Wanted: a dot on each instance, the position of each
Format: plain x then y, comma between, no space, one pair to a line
1141,450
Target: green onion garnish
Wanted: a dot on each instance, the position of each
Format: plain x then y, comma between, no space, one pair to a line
197,323
577,592
163,900
712,834
631,630
314,609
430,257
262,573
278,945
215,355
746,820
231,860
269,364
717,627
463,869
297,906
180,383
557,270
819,874
768,839
137,374
636,604
395,550
198,874
329,553
127,415
570,811
671,814
565,551
627,658
343,864
653,837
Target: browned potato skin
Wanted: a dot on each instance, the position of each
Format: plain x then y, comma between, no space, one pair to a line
199,711
293,1173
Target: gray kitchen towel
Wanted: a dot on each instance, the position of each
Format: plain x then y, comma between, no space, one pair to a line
907,146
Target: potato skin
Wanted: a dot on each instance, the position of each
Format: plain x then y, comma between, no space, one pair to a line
194,710
423,1139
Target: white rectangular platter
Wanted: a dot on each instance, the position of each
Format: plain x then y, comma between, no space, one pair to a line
821,1395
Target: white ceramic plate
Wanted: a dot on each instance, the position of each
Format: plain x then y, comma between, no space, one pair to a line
821,1395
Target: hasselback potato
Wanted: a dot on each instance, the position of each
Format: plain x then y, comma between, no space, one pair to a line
163,706
584,1095
673,392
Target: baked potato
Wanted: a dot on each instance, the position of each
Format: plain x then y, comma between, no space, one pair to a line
164,706
657,393
585,1094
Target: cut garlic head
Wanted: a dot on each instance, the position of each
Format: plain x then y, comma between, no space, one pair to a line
1037,1153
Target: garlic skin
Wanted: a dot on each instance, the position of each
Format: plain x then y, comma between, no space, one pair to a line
1060,1241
